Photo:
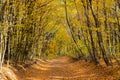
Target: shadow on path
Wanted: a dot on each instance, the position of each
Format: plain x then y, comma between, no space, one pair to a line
64,69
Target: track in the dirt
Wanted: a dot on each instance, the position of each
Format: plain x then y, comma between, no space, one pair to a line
61,69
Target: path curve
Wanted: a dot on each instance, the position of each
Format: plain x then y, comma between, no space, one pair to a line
63,69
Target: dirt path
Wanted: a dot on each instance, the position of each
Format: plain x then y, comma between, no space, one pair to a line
63,69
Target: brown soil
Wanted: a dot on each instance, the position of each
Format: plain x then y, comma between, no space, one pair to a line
65,69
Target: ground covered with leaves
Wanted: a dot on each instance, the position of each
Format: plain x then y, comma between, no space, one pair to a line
64,68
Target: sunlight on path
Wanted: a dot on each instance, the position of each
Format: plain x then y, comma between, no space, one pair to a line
61,69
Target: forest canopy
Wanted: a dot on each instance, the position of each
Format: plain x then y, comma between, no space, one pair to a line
46,29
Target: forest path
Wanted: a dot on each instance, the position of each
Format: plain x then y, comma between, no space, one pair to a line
64,68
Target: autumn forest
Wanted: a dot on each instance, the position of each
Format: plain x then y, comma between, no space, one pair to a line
59,39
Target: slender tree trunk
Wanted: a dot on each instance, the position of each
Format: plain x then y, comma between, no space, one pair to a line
99,35
68,23
94,53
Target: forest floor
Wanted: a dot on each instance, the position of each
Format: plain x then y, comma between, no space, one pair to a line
64,68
